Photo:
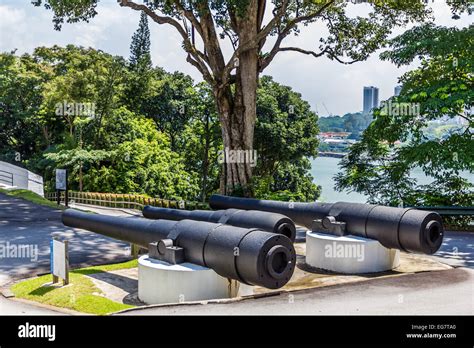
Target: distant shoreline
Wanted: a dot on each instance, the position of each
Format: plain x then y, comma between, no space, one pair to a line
332,154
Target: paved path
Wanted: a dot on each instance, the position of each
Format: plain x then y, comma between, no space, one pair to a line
457,249
108,211
12,307
31,226
437,293
27,225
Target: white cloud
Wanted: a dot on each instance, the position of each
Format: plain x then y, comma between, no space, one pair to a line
11,16
11,22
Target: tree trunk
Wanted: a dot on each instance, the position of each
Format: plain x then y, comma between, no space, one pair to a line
46,135
237,113
80,177
237,109
205,159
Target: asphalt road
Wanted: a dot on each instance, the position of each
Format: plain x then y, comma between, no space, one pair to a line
13,307
457,249
440,292
31,227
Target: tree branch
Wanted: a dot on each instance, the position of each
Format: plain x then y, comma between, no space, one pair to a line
157,18
263,33
198,58
300,50
232,17
253,42
205,72
334,56
284,33
464,116
189,16
211,41
233,42
261,12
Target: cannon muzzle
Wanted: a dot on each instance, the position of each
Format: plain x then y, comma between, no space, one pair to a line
265,221
250,256
405,229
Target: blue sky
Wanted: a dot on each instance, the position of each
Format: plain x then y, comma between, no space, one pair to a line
339,87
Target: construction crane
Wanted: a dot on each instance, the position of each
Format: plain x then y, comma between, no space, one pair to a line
330,113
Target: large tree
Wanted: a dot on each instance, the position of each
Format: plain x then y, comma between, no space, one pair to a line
400,138
20,80
140,66
140,46
203,25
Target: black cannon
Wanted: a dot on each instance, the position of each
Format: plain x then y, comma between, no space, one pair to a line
270,222
407,229
250,256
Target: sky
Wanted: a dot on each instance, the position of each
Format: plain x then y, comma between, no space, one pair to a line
329,87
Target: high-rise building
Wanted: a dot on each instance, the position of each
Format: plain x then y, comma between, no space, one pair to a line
397,90
371,98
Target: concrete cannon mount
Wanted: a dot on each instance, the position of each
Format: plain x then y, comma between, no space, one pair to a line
305,277
160,282
349,254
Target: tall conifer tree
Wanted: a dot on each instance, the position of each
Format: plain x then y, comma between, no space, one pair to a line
140,47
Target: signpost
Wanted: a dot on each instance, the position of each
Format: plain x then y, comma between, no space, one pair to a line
59,260
61,185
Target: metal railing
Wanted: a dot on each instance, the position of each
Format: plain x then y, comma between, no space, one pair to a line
450,210
124,201
137,202
6,177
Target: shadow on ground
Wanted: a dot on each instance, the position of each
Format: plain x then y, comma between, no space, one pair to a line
28,227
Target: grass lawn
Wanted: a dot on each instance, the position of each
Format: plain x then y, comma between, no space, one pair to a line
30,196
81,294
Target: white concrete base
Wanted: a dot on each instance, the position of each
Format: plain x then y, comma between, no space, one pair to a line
245,289
349,254
161,282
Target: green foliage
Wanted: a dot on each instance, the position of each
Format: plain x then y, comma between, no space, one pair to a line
170,101
354,123
75,159
82,77
81,295
135,159
290,182
286,127
285,136
348,39
202,139
140,78
140,46
72,11
107,148
442,88
166,147
20,79
30,196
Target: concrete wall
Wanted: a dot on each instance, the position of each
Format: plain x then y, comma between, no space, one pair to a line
23,178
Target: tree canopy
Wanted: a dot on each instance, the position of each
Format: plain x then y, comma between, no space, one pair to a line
167,147
396,142
256,39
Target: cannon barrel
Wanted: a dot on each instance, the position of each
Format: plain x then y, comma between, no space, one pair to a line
265,221
405,229
250,256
